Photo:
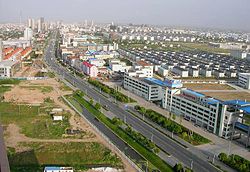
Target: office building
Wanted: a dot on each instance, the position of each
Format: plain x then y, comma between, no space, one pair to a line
244,80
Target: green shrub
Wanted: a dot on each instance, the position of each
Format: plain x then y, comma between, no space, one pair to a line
114,93
171,126
235,161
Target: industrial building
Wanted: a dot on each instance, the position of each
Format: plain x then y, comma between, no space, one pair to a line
216,116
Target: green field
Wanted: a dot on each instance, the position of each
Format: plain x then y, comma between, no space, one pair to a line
3,89
77,155
154,161
19,114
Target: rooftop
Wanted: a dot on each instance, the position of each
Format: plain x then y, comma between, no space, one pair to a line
7,63
143,63
166,83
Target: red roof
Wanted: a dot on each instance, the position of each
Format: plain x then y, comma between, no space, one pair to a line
85,63
27,50
15,52
143,63
8,50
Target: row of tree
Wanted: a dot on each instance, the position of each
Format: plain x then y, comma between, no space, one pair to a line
179,168
172,126
111,91
138,137
236,162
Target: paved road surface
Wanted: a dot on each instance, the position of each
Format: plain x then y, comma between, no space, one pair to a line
198,162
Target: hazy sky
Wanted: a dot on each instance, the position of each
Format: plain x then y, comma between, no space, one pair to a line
199,13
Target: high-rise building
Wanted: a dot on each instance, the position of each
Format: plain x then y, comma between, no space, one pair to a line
28,34
40,26
30,23
33,25
1,50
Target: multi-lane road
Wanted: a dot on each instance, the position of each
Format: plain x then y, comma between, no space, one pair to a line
197,162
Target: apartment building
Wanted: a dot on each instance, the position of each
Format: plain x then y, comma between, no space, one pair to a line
244,80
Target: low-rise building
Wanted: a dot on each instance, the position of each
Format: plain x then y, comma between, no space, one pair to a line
206,72
244,80
193,72
209,113
97,62
58,169
180,72
162,71
143,87
8,68
89,69
238,53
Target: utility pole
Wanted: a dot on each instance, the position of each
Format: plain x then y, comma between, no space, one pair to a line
213,158
191,165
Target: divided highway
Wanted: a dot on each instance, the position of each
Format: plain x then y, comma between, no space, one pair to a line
185,156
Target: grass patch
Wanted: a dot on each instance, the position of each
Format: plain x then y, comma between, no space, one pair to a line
77,155
19,114
32,124
3,89
153,159
50,75
9,81
64,87
43,127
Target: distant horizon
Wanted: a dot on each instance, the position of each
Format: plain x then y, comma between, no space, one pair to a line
148,24
212,14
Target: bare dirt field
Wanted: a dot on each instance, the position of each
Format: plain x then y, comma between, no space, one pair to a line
229,95
208,86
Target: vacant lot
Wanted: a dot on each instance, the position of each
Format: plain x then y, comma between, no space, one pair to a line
229,95
78,155
25,115
208,86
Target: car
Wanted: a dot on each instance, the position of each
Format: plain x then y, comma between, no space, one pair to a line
106,107
96,119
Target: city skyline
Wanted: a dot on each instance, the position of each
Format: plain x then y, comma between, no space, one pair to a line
215,14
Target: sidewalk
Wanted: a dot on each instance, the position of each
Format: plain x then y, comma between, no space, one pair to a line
218,144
